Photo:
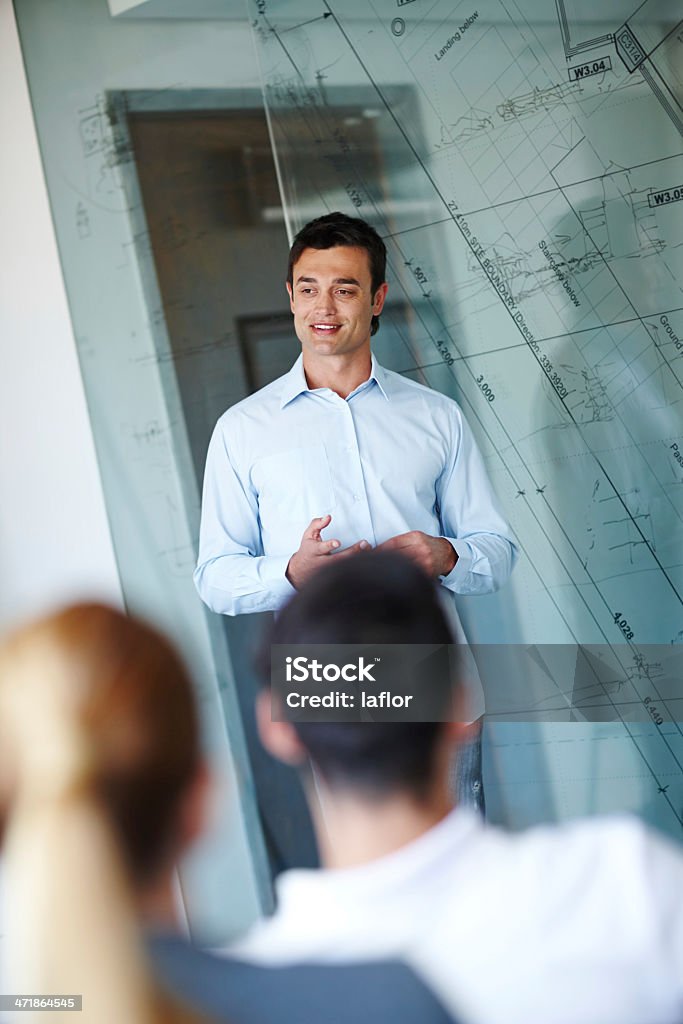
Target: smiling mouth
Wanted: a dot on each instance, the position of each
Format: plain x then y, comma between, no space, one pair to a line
326,328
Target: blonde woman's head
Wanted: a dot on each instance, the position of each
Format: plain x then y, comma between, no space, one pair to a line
100,695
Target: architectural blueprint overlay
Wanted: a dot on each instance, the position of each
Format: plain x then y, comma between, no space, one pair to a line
524,162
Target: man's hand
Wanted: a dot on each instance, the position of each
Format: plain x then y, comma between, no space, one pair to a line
313,551
435,555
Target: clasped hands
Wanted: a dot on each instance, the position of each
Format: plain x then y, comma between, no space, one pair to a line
435,555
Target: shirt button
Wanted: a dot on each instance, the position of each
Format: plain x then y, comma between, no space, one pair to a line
356,497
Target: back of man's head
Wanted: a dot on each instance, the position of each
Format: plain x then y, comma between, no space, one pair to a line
376,598
133,706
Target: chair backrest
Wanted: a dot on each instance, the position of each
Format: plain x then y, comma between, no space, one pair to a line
384,992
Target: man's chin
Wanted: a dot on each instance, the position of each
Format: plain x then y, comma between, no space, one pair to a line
324,346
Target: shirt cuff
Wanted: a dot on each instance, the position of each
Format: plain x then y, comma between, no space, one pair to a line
462,567
273,569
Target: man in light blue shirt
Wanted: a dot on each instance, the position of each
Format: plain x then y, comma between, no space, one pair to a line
342,445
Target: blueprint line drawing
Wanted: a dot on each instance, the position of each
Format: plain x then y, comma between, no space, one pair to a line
529,191
641,42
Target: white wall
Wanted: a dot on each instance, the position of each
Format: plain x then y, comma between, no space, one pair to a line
54,535
77,57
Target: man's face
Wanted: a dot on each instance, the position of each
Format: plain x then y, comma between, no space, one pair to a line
333,302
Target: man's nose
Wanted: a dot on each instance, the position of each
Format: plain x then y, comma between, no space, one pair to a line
325,305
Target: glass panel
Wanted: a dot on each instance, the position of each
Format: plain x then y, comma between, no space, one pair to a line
157,160
528,185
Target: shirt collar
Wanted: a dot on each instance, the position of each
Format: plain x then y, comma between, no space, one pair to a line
294,383
420,857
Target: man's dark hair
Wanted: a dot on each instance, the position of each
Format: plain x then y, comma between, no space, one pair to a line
339,229
377,598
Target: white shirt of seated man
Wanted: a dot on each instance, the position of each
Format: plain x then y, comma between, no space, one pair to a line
556,925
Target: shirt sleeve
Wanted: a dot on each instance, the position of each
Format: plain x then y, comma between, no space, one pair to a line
662,866
471,519
233,576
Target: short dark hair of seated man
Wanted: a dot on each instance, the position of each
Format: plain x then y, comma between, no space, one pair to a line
334,229
131,700
376,598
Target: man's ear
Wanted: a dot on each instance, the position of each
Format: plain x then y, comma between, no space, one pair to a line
460,728
461,732
291,295
378,302
279,738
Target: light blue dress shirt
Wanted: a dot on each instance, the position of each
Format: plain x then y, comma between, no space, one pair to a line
392,457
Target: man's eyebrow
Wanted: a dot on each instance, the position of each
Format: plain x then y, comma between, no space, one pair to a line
337,280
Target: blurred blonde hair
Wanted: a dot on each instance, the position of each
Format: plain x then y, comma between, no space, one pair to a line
98,740
131,701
